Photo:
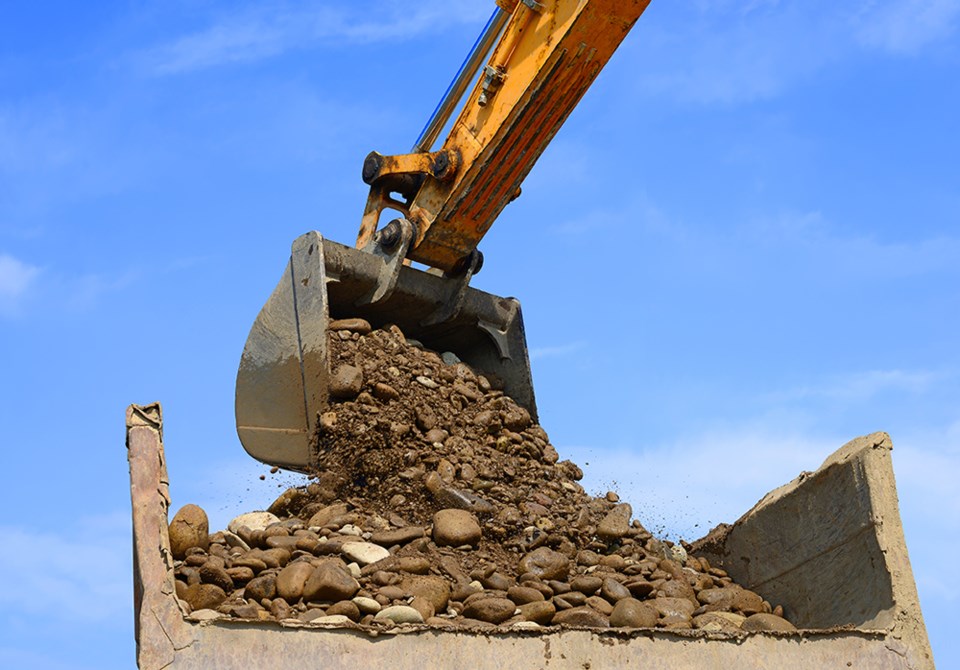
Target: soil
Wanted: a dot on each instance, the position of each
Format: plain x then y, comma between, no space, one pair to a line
438,499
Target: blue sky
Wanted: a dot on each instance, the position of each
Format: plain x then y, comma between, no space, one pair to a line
740,252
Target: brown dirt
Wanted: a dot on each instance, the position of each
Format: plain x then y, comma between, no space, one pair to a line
412,433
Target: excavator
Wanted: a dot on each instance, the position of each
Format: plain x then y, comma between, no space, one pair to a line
531,65
828,546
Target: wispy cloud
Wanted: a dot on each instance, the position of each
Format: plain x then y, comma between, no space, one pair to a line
683,487
728,53
85,570
555,351
254,33
16,279
907,26
861,386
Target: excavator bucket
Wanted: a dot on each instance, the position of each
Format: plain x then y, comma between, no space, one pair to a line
282,384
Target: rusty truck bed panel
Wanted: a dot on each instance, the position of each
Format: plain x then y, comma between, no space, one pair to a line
837,529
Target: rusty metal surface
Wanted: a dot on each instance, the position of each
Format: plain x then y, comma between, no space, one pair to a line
284,370
167,639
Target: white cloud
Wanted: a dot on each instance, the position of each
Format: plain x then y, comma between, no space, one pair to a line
261,32
861,386
16,278
84,569
556,351
685,487
906,26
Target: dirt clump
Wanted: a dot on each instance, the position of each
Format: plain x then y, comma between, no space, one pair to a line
438,499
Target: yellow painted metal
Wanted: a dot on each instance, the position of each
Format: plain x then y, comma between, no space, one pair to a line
548,56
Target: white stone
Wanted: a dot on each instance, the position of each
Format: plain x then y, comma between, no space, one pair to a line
426,381
332,619
253,521
350,529
400,614
364,553
367,605
354,570
235,540
526,625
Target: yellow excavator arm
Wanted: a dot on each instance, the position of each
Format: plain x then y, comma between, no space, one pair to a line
544,57
547,56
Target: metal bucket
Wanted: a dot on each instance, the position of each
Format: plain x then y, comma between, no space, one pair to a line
282,383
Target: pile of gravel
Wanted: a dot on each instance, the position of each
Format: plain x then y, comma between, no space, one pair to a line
438,500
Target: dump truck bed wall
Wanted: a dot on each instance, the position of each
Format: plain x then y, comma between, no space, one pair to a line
849,537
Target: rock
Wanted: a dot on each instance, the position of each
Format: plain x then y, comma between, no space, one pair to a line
260,588
521,595
189,528
332,581
581,616
346,382
214,574
203,596
385,392
731,598
676,588
668,607
600,604
639,588
399,614
345,608
287,501
240,574
631,613
291,580
616,523
252,521
714,622
366,605
491,610
545,564
355,325
455,527
332,620
767,622
588,584
364,553
613,590
425,418
539,611
389,538
423,606
327,514
434,589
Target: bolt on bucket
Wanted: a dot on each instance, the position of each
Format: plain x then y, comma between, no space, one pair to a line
282,383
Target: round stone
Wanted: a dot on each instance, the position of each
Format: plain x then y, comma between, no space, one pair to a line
455,527
330,581
252,521
545,563
364,553
491,610
291,580
581,616
346,382
399,614
766,622
631,613
189,528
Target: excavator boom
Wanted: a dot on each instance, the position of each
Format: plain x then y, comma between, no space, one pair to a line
544,57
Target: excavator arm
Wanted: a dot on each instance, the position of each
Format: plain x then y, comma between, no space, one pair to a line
548,55
544,57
